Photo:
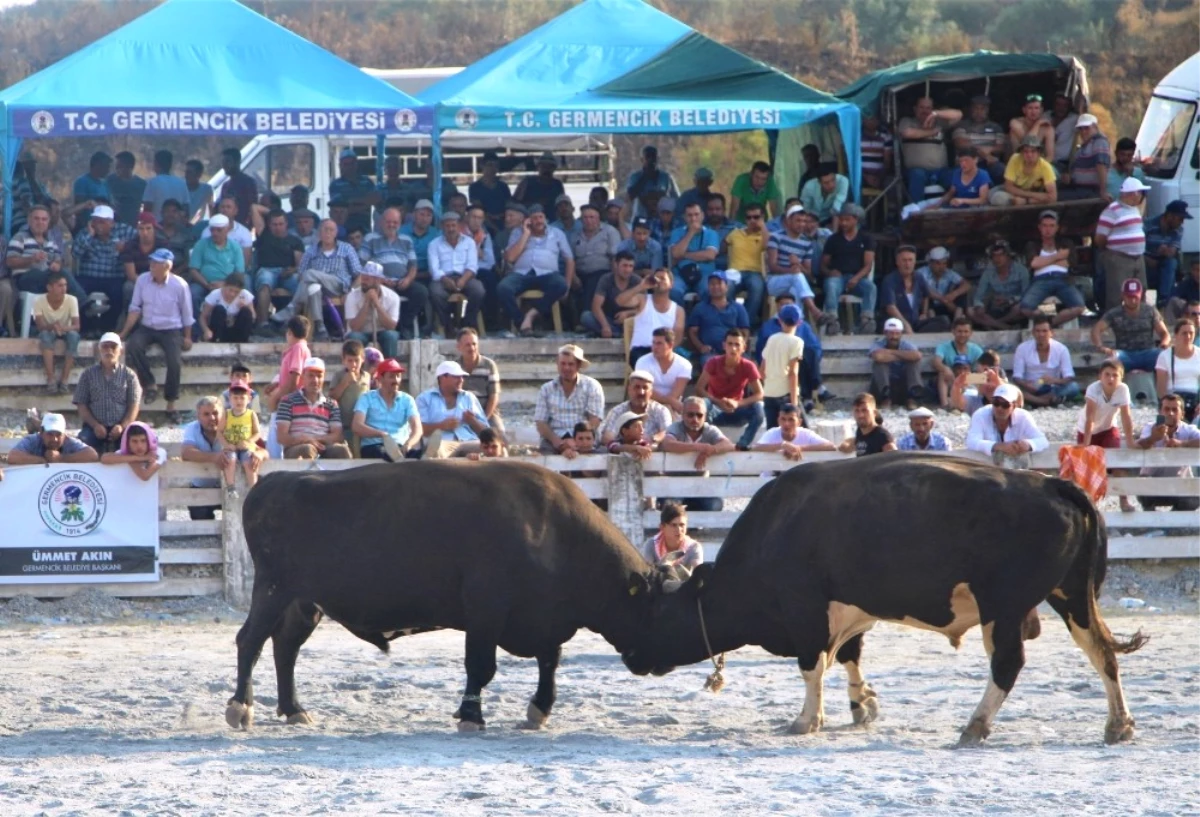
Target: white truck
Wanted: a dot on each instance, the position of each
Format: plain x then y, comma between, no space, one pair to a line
281,162
1167,144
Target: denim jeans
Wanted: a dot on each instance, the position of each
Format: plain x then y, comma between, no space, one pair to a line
865,289
1056,285
754,286
753,415
1141,360
917,179
34,280
1164,272
795,285
269,277
388,340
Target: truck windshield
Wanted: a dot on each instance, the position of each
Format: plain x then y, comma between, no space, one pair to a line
1163,135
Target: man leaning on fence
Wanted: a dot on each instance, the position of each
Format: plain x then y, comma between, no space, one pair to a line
692,435
51,444
1172,432
309,424
570,398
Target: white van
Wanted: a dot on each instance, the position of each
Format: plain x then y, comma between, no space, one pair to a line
280,162
1167,143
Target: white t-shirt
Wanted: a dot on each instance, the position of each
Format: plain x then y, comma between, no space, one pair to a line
1028,366
1106,409
780,350
217,298
664,382
1187,372
355,303
239,234
774,436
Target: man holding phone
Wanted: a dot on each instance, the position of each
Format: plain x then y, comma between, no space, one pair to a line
1168,431
947,355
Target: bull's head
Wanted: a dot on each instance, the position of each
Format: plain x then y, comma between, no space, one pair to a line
673,621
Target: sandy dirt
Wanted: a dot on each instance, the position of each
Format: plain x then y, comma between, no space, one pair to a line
128,718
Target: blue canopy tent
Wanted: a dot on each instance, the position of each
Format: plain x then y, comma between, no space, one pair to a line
200,67
622,66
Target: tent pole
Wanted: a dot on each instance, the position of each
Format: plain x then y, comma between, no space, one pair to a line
380,144
435,156
11,149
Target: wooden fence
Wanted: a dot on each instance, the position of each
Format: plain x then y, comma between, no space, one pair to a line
201,557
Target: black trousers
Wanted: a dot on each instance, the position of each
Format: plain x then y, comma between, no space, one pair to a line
223,332
171,341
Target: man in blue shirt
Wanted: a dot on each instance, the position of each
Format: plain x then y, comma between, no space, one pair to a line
91,186
647,253
693,250
712,318
703,177
422,232
358,191
650,177
386,419
126,189
716,220
533,254
825,195
1164,238
451,417
490,191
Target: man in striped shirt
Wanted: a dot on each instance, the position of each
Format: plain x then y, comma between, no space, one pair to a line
876,148
309,424
1088,171
789,263
1121,239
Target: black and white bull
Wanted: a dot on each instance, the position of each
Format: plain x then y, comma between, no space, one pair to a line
513,554
940,543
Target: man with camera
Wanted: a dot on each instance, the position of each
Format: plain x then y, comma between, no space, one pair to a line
1168,431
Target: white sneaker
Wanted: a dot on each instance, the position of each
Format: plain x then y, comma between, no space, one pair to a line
392,449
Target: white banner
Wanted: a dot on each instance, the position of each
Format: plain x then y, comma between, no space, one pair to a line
77,524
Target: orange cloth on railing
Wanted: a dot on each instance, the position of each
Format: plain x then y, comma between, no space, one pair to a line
1085,465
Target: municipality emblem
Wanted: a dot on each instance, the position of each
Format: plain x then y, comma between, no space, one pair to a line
72,503
42,123
405,119
466,119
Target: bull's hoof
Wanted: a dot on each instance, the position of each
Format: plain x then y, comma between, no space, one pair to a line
1031,627
239,715
469,727
805,726
300,718
534,717
974,735
1118,731
865,711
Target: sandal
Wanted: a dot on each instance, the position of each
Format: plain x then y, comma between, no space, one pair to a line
150,395
174,417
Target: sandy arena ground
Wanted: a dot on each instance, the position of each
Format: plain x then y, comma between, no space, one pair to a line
128,718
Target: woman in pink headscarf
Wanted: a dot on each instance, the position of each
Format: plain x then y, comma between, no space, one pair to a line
139,449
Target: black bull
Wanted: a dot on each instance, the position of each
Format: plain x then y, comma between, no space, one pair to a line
512,554
939,543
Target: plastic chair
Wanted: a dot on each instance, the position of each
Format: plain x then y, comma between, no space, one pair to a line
555,311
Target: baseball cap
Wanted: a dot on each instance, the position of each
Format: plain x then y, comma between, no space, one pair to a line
789,314
628,417
110,337
1032,140
238,385
666,206
617,202
313,364
1007,391
54,422
535,209
163,256
939,254
1132,286
390,365
563,197
641,221
1179,207
423,204
102,211
1132,185
347,153
852,209
1048,214
961,360
219,220
147,218
719,275
893,325
1086,120
451,368
450,215
920,413
703,173
795,208
373,269
516,207
639,374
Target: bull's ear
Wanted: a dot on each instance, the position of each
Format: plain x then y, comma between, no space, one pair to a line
638,584
701,574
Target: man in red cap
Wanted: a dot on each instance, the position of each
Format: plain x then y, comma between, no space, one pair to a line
1139,331
386,419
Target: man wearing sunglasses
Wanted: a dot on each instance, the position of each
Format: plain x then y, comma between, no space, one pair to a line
1032,121
1002,428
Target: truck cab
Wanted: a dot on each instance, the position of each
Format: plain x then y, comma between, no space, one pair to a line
1167,146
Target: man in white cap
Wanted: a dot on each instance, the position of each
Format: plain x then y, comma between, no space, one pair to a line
655,416
453,264
373,311
397,254
161,311
1003,429
1087,172
895,365
108,396
450,416
97,251
947,289
212,259
790,257
308,424
570,398
1121,239
51,445
922,437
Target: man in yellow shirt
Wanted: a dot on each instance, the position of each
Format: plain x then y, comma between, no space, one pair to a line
1028,178
744,249
56,314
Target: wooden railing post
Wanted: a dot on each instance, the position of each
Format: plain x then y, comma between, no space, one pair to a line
625,476
421,365
239,567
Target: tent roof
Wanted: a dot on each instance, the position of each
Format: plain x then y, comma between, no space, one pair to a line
622,65
202,56
865,91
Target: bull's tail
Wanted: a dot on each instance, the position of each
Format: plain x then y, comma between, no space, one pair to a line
1091,566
